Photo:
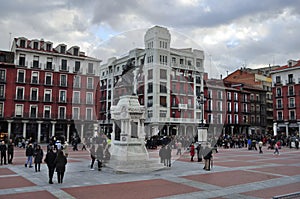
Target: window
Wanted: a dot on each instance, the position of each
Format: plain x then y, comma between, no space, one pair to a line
279,103
291,102
292,115
2,91
150,101
63,80
162,113
34,94
236,107
76,51
35,45
210,118
77,81
219,105
229,106
181,61
278,92
290,79
220,95
62,49
150,87
163,74
33,111
278,80
89,112
20,93
1,109
76,97
150,74
173,60
22,43
62,96
209,93
47,112
49,63
48,96
76,113
77,66
163,101
210,106
89,98
245,108
62,112
2,76
163,59
64,65
90,68
163,87
236,97
228,96
21,76
229,121
219,119
35,63
48,79
245,97
22,59
34,77
19,110
90,82
279,115
291,90
48,47
236,119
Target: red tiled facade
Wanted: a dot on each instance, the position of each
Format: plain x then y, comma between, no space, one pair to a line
49,91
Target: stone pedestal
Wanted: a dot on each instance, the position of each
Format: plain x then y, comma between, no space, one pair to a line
128,150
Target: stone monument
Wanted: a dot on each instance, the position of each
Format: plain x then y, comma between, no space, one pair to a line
128,150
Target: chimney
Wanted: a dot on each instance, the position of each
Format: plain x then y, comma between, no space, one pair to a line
221,76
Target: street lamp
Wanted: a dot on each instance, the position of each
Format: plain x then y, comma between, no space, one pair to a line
202,130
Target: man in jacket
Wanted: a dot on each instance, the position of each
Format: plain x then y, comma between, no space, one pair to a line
3,149
50,161
29,153
10,151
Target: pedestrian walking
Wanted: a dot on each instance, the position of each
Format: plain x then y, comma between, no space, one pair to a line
3,150
162,154
276,147
93,156
179,147
60,166
38,158
50,161
260,144
29,153
199,152
99,156
10,151
168,155
192,152
207,158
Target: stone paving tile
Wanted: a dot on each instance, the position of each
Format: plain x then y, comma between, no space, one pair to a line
32,195
14,182
283,170
230,178
274,191
138,189
238,163
6,171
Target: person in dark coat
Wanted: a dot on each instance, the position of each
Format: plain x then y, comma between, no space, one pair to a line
199,153
168,155
50,161
3,150
93,155
162,154
207,157
38,158
60,165
99,156
29,153
10,151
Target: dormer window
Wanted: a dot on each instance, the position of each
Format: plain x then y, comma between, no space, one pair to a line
22,43
63,49
48,47
76,52
35,45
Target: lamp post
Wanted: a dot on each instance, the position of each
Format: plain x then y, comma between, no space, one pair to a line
202,130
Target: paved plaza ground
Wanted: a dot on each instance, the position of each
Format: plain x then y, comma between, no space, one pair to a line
236,173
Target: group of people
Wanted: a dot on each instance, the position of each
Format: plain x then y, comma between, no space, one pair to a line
202,153
165,154
99,150
7,152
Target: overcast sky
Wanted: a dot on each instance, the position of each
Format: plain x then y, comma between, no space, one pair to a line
232,33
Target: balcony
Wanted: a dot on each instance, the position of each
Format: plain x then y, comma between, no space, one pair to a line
278,83
49,66
290,81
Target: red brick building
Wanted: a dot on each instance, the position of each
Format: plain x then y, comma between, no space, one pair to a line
50,91
286,101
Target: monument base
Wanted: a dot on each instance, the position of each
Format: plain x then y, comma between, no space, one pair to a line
132,157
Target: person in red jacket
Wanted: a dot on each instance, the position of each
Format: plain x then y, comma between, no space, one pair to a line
192,152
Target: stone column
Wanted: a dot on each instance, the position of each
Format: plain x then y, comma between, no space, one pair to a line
39,131
81,130
53,128
9,128
68,131
274,128
24,127
232,127
287,128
